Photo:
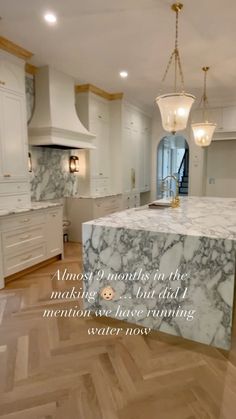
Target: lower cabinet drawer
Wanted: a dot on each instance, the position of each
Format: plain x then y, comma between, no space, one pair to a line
24,220
15,201
7,188
15,240
18,261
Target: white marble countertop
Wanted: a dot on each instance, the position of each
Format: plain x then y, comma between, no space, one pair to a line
196,216
34,206
107,195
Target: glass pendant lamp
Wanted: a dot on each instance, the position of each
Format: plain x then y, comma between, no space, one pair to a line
203,131
175,107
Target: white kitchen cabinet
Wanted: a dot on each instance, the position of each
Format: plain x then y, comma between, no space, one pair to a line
136,150
54,232
12,73
29,238
94,113
145,155
13,137
229,118
80,210
14,179
100,157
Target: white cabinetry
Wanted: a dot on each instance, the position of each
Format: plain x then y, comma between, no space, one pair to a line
12,73
14,182
121,161
80,210
94,113
54,232
136,150
229,118
29,238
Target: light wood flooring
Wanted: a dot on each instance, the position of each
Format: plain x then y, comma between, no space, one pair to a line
51,369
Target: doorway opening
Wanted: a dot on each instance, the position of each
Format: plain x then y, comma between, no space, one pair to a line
173,159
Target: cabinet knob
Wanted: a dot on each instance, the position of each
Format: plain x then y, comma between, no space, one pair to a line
7,175
100,116
2,83
25,220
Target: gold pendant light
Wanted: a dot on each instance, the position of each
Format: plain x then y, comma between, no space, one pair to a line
203,132
175,107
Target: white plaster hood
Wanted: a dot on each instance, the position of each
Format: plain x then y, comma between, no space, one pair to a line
55,122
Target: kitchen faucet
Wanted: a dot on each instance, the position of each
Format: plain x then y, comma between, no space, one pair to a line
175,202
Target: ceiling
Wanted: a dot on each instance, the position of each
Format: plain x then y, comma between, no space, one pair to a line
93,40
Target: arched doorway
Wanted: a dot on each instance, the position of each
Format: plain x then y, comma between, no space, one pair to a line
173,159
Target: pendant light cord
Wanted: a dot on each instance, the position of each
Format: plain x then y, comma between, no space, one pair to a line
176,55
204,99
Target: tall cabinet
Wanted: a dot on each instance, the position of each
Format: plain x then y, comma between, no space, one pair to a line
14,181
120,164
94,112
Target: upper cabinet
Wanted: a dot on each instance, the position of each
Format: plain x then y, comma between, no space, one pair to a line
94,113
136,150
13,137
121,161
14,179
12,74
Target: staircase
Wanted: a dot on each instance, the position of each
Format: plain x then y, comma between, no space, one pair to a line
183,174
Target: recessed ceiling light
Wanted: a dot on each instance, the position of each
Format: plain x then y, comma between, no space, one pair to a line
50,18
123,74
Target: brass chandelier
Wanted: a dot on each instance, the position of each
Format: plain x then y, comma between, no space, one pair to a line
175,107
203,131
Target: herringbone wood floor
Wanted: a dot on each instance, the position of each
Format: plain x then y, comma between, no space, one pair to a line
52,369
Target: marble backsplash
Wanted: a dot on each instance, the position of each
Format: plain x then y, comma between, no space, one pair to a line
50,177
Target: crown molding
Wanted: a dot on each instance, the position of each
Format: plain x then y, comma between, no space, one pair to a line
30,69
81,88
14,49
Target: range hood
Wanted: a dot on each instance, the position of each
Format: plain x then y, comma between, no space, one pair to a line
55,122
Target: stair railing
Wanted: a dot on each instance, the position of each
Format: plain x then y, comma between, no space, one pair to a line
183,166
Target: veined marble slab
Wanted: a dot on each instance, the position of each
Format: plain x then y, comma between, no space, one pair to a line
197,239
210,217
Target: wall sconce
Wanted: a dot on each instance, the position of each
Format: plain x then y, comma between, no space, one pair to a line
74,164
30,169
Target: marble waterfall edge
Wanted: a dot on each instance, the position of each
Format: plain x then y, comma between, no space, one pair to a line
208,262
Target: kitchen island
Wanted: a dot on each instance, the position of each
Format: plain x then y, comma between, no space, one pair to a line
167,269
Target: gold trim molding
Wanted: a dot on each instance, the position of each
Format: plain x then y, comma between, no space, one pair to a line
14,49
97,91
30,69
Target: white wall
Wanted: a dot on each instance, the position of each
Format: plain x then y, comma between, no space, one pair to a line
221,169
197,159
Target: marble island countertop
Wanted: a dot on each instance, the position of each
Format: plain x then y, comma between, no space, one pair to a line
196,216
33,207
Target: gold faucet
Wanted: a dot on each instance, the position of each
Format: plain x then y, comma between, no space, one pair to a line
175,203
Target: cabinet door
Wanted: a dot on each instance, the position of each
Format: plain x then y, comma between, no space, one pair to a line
145,156
229,118
100,157
127,159
135,159
12,75
54,233
13,137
